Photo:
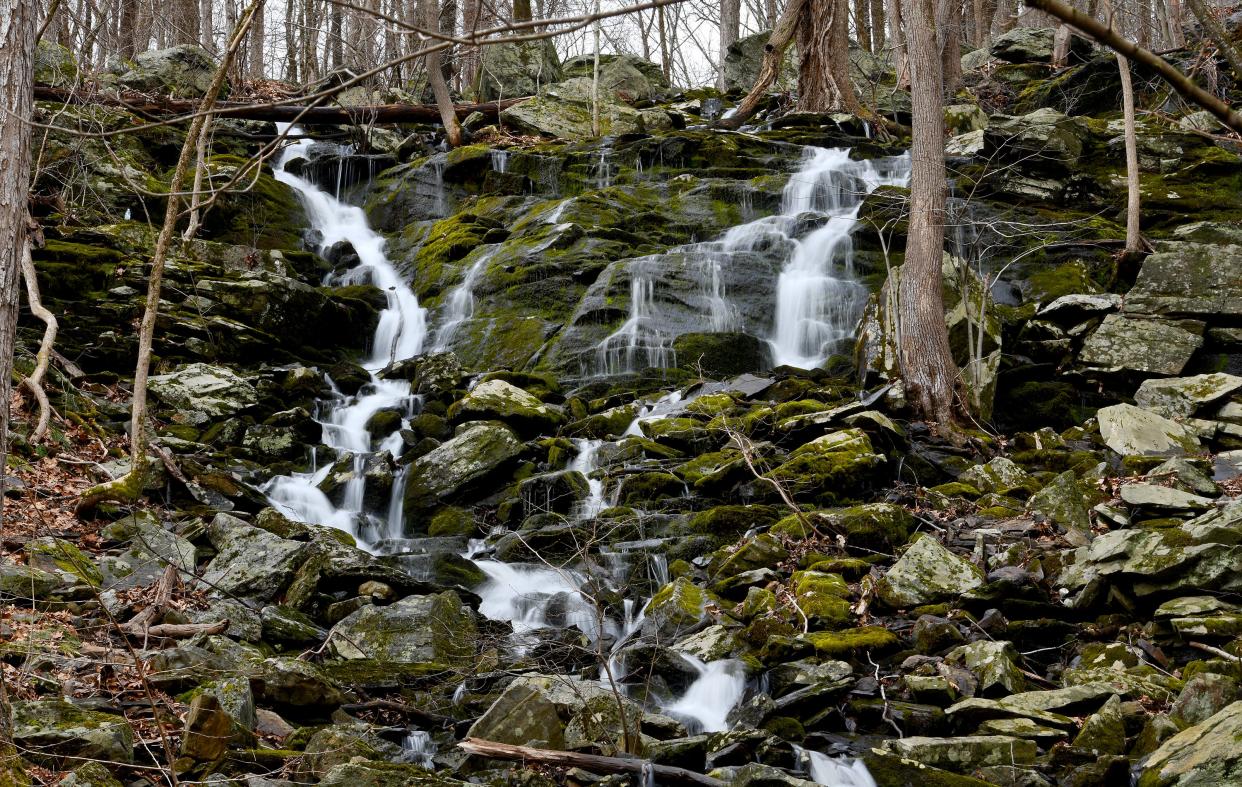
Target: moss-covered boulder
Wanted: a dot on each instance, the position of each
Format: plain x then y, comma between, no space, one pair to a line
964,754
48,731
250,562
851,643
497,400
994,665
926,573
1133,431
183,71
199,393
822,597
721,355
831,468
679,608
1207,753
476,452
516,69
416,629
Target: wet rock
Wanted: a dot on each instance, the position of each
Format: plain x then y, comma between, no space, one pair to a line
720,355
343,743
555,712
933,634
925,573
1000,475
200,392
475,452
833,467
295,683
678,609
1208,753
965,753
497,400
46,731
1124,343
382,774
1133,431
1181,397
182,71
416,629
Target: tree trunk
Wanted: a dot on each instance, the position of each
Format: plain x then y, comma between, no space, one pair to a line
877,26
130,12
772,13
185,25
862,23
665,60
336,37
521,11
927,368
595,124
257,46
897,35
824,83
1061,46
949,27
206,25
291,41
730,24
435,75
17,44
471,20
773,57
1218,36
1134,237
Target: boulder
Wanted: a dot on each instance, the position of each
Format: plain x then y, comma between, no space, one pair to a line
565,113
1197,280
1181,397
1034,45
516,69
475,452
342,743
365,773
1064,502
925,573
679,608
744,58
251,563
1209,753
1162,498
1044,140
201,392
720,355
46,731
416,629
1123,343
994,665
1104,732
999,475
833,467
965,753
54,65
497,400
183,71
1133,431
628,77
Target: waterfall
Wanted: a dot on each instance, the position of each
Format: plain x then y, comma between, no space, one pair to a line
834,771
460,306
638,343
708,700
399,335
500,160
818,300
418,748
586,462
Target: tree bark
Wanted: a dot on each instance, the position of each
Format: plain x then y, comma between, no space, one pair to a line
730,24
17,45
824,83
1134,237
897,35
1176,79
862,23
1061,46
927,368
877,25
257,41
773,56
435,75
521,11
949,29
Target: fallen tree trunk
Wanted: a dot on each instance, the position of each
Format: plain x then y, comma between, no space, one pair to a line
382,113
591,762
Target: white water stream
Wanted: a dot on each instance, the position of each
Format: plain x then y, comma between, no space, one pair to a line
399,335
812,304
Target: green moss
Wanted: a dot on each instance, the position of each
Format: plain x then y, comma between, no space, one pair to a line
822,597
731,521
451,521
851,642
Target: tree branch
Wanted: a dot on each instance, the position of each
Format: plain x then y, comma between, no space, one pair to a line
592,762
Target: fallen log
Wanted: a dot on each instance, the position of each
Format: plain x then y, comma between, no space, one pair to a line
154,106
591,762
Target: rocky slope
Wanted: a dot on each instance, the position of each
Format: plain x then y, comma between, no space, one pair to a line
604,520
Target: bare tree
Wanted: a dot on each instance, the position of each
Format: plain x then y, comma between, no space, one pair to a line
824,83
17,44
435,75
927,368
1134,238
730,23
1214,30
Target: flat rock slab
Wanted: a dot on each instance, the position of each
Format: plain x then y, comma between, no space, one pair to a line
1151,346
964,754
1132,431
1163,497
1180,397
1201,280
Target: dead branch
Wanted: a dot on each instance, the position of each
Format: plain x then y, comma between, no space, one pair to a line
591,762
34,382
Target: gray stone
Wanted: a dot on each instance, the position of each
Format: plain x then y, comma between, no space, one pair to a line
555,712
1163,498
565,113
744,58
1182,397
501,401
1032,45
1197,280
201,392
475,452
1064,502
1056,140
517,69
999,475
964,753
1204,695
48,730
1074,307
251,563
1205,755
184,71
416,629
1132,431
624,76
1104,732
1126,343
925,573
1184,476
993,663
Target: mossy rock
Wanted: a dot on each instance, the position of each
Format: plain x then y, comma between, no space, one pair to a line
822,597
831,468
47,731
679,608
851,642
720,355
732,521
451,521
50,553
650,487
265,215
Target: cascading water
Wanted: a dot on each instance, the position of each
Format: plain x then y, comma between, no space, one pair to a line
586,462
817,298
399,335
639,342
707,702
460,306
834,771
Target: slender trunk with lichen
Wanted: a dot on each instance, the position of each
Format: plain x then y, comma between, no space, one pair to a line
1134,238
128,487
